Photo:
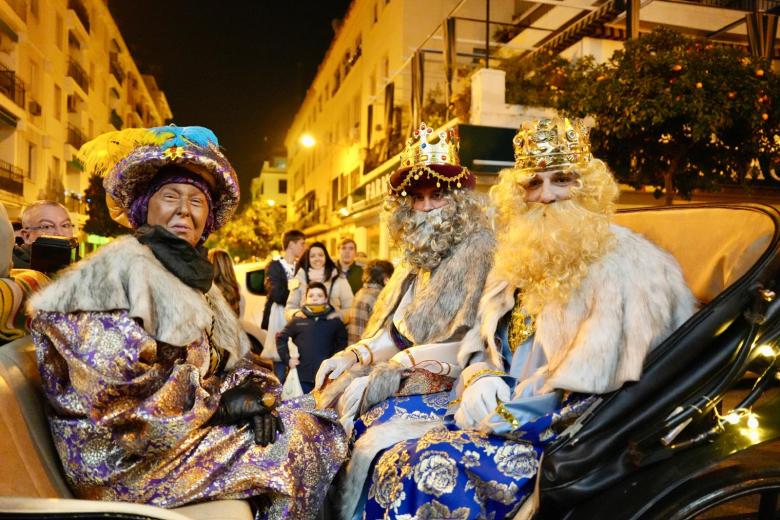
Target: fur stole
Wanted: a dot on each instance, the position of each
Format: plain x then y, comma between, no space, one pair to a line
446,306
125,275
628,303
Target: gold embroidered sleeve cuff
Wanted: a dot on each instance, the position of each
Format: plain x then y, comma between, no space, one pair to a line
482,373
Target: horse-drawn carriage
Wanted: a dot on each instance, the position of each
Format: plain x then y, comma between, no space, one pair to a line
664,447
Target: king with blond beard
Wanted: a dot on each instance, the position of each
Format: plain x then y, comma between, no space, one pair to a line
570,309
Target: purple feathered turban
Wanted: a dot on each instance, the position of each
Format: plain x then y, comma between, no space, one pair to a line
137,162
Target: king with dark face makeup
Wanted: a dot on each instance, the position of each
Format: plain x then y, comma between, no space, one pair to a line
155,397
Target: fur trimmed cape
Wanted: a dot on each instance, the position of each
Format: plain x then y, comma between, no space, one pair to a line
125,275
446,307
628,303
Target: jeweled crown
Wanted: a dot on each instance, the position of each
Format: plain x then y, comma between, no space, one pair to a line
445,151
551,143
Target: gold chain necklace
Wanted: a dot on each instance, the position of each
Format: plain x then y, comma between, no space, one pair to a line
521,325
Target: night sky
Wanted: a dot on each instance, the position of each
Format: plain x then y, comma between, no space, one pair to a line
239,67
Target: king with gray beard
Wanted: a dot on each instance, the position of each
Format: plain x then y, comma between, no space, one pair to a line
424,311
452,248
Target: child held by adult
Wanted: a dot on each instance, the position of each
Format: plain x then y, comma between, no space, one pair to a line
316,336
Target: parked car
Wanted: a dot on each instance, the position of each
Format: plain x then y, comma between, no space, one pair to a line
251,282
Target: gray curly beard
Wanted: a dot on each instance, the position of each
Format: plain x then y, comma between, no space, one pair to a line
426,238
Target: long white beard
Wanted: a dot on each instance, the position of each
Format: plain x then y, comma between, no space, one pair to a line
425,244
546,251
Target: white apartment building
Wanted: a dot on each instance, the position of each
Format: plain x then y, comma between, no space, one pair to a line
65,76
270,186
343,142
334,183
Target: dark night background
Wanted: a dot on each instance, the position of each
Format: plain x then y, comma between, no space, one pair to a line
239,67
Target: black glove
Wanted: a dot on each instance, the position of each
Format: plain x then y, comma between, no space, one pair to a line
249,403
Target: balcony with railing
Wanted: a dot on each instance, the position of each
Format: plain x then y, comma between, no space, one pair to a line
11,178
116,68
79,75
116,120
312,218
738,5
75,138
12,86
81,12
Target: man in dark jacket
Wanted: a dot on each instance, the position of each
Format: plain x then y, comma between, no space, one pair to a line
316,337
347,266
280,271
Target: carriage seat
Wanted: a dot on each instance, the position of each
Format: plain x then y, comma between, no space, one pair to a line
715,245
32,479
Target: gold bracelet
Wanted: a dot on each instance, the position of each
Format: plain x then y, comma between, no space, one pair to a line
483,372
357,353
409,355
370,353
360,354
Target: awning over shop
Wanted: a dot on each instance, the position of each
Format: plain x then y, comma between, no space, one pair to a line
7,118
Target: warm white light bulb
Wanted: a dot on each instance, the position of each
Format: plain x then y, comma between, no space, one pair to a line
308,141
766,351
732,418
752,421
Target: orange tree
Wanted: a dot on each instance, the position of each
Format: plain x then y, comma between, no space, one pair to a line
677,114
537,81
253,233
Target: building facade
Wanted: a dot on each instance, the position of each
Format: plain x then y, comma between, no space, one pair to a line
392,64
65,76
357,113
270,186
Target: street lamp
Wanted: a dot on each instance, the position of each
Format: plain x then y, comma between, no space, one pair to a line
308,141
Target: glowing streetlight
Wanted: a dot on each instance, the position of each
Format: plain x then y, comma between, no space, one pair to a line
308,141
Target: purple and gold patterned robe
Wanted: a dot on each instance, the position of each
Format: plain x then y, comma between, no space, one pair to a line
126,359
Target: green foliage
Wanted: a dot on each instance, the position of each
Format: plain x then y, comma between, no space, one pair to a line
539,81
99,221
434,109
253,233
676,113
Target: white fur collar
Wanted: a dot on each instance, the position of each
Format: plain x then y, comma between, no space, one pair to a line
125,275
447,306
629,302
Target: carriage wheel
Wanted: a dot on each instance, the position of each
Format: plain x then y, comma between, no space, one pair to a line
746,494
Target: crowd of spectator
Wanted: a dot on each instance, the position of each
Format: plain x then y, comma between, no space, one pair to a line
315,305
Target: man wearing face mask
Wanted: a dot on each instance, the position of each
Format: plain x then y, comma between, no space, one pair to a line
412,338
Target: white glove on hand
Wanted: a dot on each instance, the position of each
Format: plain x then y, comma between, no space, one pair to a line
335,366
349,402
480,400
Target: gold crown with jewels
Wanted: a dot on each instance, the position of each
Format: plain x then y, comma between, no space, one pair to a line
424,153
551,143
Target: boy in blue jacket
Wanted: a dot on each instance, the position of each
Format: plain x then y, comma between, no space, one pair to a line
316,335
